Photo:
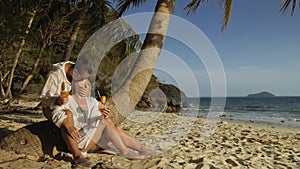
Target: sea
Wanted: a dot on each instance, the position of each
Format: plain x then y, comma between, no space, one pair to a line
271,110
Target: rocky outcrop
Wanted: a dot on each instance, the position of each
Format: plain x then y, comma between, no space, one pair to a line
170,106
261,94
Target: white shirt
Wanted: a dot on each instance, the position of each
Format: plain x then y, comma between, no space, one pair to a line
52,86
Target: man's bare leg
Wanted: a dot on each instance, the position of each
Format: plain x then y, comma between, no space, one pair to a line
70,135
71,143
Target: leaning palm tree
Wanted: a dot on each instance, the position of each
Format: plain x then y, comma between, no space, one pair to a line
137,80
140,75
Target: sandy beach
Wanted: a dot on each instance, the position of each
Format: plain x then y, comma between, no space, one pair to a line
183,142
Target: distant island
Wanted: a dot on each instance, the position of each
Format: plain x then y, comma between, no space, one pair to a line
261,94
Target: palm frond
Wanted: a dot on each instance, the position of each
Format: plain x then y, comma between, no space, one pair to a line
124,5
227,5
105,3
285,5
192,7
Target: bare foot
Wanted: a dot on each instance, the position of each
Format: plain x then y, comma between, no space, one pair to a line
82,161
147,152
133,156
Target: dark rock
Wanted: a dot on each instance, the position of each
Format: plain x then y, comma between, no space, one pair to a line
36,139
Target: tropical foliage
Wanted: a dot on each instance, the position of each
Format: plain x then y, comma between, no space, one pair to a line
46,39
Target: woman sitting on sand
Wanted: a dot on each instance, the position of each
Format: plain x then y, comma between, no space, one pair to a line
94,131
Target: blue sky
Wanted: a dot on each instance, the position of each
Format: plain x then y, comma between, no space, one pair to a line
259,50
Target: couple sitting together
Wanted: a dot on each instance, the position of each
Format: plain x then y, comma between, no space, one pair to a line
81,117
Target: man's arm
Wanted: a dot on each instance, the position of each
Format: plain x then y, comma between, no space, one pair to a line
49,95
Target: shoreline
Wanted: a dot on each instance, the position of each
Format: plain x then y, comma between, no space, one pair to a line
267,126
286,125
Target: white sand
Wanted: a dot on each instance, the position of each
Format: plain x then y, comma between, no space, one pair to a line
184,142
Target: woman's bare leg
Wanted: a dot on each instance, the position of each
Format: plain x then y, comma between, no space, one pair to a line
117,128
134,144
110,134
93,145
129,141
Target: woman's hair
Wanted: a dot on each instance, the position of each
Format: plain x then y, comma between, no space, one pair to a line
83,65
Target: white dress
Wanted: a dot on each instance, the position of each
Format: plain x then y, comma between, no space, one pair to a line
86,122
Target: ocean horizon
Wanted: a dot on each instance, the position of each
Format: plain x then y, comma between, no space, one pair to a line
279,110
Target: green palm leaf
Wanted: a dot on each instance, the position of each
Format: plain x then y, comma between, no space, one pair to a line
226,4
124,5
193,6
285,5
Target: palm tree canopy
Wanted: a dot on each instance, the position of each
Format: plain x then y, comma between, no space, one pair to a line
285,5
192,8
124,5
227,4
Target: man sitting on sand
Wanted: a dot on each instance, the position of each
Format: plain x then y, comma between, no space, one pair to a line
51,93
65,72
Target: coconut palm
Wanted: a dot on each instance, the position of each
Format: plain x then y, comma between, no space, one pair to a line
83,8
52,21
287,4
141,73
137,81
29,9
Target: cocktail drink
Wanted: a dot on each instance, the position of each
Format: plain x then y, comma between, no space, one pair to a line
103,101
63,92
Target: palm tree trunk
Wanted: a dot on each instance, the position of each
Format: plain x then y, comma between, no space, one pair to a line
17,56
128,95
34,68
74,33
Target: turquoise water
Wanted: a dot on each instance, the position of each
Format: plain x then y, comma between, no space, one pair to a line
274,110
